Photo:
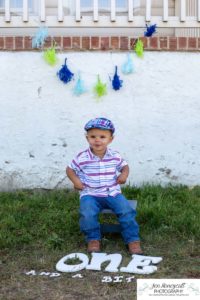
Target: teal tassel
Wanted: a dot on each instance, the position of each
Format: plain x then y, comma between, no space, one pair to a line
40,37
79,88
127,67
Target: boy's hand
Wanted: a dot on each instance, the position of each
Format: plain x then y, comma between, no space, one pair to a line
75,179
121,179
78,185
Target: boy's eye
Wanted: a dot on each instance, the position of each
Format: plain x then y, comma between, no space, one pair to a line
101,137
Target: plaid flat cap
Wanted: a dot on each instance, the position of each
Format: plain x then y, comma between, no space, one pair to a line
100,123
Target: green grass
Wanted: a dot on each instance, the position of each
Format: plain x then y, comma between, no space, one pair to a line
37,228
51,218
174,210
47,218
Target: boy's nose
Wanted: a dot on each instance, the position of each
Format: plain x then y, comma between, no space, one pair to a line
97,140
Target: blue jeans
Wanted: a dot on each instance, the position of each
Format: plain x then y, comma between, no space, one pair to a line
90,206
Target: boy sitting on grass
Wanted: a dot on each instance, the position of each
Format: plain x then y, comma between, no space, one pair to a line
97,173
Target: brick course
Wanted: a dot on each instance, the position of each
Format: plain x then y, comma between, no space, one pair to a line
19,43
9,43
67,43
182,43
124,45
173,44
76,43
48,42
154,43
192,43
95,43
58,42
85,43
114,42
105,43
164,45
1,42
27,43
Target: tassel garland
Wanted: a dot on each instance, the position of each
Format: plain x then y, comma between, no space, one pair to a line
116,82
100,88
79,88
65,74
50,56
139,48
151,29
127,67
40,37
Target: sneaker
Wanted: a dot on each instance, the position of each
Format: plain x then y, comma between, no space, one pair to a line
134,248
93,246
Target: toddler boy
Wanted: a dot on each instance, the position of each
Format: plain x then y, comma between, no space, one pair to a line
97,173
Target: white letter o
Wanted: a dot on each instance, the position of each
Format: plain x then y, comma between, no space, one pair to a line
62,267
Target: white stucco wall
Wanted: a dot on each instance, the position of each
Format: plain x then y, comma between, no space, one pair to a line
156,115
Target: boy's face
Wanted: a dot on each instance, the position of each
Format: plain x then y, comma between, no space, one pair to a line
98,140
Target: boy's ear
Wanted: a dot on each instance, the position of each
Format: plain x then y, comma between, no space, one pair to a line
112,138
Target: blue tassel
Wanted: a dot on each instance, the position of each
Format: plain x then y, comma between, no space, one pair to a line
127,67
40,37
79,88
116,82
150,30
65,74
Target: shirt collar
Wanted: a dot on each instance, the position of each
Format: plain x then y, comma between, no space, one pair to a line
92,155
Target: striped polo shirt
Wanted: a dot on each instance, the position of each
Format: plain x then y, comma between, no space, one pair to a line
98,175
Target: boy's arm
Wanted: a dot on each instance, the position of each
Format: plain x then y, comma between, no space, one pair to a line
74,178
121,179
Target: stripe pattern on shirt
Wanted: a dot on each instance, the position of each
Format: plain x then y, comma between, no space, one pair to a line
98,175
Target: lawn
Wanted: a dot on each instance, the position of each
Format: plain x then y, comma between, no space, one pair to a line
38,228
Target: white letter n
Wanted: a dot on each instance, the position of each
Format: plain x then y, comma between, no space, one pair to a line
99,258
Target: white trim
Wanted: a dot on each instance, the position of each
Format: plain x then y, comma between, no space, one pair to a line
104,22
42,11
183,11
198,10
95,10
78,11
130,10
25,10
100,21
165,10
7,10
148,10
112,10
60,10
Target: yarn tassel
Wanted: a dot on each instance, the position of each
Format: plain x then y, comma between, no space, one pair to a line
65,74
116,82
127,67
139,48
79,88
100,88
40,37
150,30
50,56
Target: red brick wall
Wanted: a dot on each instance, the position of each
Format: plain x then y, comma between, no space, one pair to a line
117,43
